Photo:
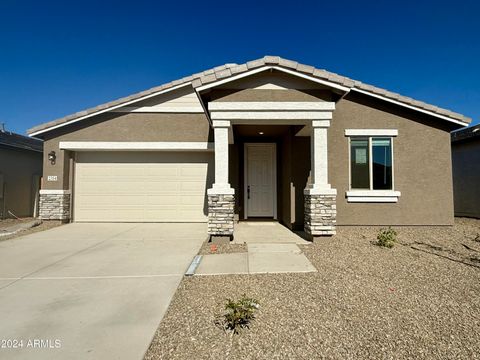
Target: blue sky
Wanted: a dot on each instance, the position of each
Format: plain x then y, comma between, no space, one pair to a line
57,58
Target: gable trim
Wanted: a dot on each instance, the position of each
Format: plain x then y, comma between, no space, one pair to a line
164,109
231,72
264,68
108,109
431,113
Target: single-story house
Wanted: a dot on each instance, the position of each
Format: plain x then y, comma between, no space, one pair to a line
21,164
271,138
466,171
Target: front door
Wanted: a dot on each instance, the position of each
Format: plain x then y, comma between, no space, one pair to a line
260,184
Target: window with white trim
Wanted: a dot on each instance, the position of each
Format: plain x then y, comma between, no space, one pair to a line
371,163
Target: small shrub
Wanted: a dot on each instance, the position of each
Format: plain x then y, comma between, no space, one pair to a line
238,314
387,238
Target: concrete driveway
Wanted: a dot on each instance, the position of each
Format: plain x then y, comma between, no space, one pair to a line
90,291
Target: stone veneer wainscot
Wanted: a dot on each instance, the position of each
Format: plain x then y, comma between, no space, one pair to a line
320,215
54,205
220,215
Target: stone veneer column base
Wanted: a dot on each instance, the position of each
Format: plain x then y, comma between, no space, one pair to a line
320,215
220,215
54,206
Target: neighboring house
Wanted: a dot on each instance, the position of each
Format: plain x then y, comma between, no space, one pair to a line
271,138
466,171
20,173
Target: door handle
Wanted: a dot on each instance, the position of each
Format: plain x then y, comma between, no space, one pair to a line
248,192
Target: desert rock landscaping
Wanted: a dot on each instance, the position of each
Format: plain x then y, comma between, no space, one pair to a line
419,299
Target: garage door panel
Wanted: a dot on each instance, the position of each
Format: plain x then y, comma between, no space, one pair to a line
192,186
107,189
163,172
192,200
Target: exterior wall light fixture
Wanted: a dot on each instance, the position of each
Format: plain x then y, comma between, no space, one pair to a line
52,157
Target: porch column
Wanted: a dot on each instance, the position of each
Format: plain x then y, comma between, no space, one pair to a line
221,198
320,198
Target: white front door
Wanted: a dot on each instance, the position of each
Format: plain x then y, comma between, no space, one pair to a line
260,180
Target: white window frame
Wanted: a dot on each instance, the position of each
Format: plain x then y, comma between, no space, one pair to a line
370,195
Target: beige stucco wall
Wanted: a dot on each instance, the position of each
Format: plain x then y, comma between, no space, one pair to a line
19,168
121,127
223,95
466,177
422,165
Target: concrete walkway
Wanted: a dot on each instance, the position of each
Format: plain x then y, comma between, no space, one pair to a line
91,291
261,258
265,232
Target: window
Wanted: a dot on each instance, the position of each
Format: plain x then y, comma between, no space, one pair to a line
359,163
371,163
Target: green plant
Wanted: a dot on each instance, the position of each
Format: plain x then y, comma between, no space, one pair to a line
238,314
387,237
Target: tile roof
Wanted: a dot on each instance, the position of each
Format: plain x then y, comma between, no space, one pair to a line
228,70
18,141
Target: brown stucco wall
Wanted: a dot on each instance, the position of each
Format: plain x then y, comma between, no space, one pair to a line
422,165
422,159
19,168
466,177
300,177
223,95
121,127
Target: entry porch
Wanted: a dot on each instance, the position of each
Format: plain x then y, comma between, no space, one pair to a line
271,163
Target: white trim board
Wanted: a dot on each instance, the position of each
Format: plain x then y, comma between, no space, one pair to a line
371,132
53,192
271,105
109,109
138,146
373,196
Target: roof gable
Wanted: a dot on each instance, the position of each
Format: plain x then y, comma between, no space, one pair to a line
230,72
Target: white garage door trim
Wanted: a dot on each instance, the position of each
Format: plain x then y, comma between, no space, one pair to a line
141,186
136,145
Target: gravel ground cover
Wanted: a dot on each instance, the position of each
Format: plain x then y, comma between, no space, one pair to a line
5,223
414,301
45,225
209,248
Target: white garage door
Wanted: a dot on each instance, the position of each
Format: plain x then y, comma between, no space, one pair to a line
142,186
